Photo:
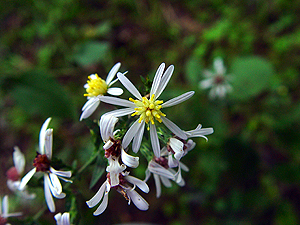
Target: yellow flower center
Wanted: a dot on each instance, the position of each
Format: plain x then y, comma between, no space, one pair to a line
96,86
148,109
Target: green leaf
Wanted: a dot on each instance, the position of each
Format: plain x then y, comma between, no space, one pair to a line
98,170
40,94
250,76
193,70
91,52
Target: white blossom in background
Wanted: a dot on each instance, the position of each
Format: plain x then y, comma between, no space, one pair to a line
14,174
148,109
217,81
42,163
96,87
62,219
4,214
123,188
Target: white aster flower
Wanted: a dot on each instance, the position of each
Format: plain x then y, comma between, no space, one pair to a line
148,109
14,174
62,219
4,211
180,147
96,87
216,81
113,148
162,173
52,185
123,188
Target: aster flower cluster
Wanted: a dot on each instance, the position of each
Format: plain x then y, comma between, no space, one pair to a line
144,129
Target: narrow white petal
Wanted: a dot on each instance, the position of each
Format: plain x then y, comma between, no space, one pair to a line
65,219
98,196
5,206
178,99
112,73
138,200
117,101
48,196
115,91
57,217
155,168
90,108
90,102
19,160
141,184
172,162
207,83
42,135
107,124
174,128
157,185
177,147
137,140
54,184
120,112
164,81
154,140
198,132
166,182
48,143
148,174
129,160
26,178
102,206
157,79
184,167
129,86
219,66
132,131
108,144
61,173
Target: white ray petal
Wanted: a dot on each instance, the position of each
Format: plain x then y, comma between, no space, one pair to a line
65,219
129,86
42,135
154,140
164,81
157,79
177,100
207,83
174,128
120,112
137,140
115,91
132,131
107,124
112,73
89,108
141,184
48,143
177,147
90,102
4,206
48,196
26,178
184,167
98,196
129,160
157,185
155,168
61,173
19,160
166,182
172,162
102,206
138,200
117,101
55,185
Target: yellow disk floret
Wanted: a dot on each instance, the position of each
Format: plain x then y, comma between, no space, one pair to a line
148,109
96,86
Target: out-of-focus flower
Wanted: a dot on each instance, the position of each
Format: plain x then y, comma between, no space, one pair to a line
62,219
96,87
148,109
42,163
123,188
14,174
4,211
217,81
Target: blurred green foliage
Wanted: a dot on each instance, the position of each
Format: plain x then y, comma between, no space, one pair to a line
248,172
